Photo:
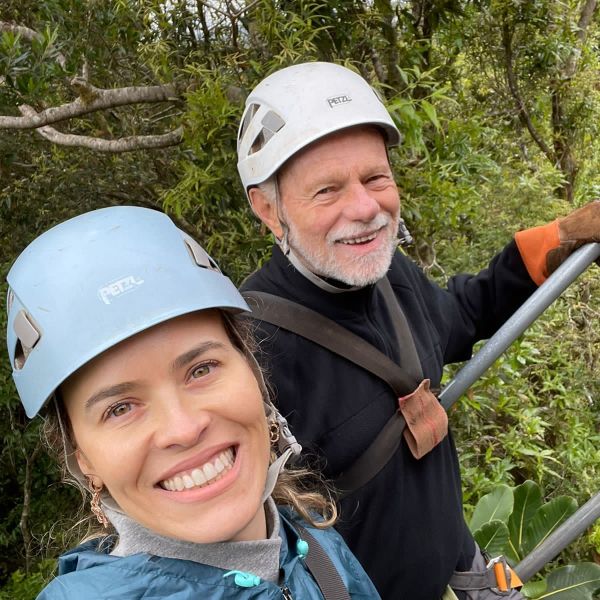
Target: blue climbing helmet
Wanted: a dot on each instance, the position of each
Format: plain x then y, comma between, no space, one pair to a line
95,280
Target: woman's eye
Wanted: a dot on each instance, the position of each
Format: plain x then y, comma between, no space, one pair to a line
200,371
118,410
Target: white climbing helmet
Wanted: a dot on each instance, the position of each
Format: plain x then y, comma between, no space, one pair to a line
298,105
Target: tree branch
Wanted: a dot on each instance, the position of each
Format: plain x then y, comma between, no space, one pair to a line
91,99
204,25
30,35
124,144
390,36
522,111
230,14
587,14
25,512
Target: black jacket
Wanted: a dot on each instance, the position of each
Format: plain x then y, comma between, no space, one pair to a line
406,525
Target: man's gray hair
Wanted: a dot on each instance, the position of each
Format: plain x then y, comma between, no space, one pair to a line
270,189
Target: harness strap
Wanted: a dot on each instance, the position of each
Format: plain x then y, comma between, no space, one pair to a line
315,327
322,568
498,575
409,359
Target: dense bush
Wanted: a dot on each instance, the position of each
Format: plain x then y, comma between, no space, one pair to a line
470,170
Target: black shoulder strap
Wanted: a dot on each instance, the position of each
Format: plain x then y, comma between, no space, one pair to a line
313,326
409,359
322,568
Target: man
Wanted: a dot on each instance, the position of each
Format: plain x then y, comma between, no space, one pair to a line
312,152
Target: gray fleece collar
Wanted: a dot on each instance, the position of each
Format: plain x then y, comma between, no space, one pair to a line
260,557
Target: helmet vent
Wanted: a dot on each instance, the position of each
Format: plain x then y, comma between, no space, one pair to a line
28,336
259,142
271,124
248,116
199,256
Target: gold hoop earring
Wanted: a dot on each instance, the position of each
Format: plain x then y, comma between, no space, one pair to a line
95,502
273,431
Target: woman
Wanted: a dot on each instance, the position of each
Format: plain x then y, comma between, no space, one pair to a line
123,331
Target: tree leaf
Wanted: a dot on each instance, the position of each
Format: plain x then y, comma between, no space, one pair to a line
527,500
431,113
534,589
573,582
492,537
495,506
546,519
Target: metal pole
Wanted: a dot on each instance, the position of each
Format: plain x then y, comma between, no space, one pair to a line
571,529
530,310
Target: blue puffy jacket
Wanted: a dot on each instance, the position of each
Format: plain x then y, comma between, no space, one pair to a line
87,573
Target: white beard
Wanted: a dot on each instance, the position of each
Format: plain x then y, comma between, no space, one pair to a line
364,270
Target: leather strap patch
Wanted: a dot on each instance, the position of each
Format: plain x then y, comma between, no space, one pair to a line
426,420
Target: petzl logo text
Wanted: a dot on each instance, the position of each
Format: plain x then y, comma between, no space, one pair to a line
117,288
337,100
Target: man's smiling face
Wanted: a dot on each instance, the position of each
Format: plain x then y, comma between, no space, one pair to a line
341,205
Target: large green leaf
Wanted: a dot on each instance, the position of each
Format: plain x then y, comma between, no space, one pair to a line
534,589
495,506
573,582
546,520
527,500
492,537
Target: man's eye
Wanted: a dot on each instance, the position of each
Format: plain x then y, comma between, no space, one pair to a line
325,190
378,178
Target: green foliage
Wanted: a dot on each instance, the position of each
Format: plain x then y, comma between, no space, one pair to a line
514,521
594,537
469,171
573,582
495,506
27,587
532,415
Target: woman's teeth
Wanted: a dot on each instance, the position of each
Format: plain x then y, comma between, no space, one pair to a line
201,476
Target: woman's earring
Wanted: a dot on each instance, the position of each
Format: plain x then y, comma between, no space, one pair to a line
95,503
273,431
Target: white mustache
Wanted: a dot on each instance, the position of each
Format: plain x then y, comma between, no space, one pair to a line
353,230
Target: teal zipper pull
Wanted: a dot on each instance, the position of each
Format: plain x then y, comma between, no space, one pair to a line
243,579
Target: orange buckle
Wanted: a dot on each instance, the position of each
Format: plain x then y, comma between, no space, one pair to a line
506,578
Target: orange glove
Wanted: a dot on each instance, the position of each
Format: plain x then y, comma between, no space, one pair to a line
543,249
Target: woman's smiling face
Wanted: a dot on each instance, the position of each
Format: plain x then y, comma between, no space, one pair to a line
172,423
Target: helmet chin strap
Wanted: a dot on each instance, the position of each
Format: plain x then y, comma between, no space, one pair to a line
313,278
287,444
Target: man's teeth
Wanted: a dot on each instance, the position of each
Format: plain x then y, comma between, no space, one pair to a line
201,476
359,240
